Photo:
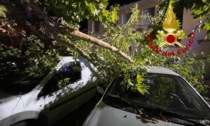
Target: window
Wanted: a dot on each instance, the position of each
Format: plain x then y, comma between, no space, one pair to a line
167,92
71,70
151,12
95,27
69,73
125,18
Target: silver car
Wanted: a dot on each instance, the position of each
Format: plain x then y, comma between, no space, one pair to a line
170,101
44,103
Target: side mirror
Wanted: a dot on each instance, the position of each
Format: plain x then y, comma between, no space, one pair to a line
100,90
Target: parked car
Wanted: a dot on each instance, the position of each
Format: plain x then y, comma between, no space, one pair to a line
170,101
48,101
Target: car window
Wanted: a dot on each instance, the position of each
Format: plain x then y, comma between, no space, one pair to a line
67,74
165,91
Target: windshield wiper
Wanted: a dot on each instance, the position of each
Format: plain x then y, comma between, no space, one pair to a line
143,115
177,118
170,116
187,120
116,97
152,113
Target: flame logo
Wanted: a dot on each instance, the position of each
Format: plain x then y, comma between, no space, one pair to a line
170,23
171,33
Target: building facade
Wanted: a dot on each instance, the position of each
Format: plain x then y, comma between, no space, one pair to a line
151,6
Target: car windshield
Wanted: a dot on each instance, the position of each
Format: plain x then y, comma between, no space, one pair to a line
167,92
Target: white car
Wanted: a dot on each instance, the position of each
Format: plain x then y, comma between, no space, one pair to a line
170,101
46,103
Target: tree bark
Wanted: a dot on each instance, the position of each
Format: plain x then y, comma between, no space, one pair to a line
98,42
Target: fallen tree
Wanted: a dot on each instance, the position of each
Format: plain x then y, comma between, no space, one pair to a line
29,25
32,19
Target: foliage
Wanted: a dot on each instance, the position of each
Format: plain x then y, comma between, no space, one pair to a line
192,69
187,65
2,11
201,9
37,52
41,56
74,11
109,64
35,60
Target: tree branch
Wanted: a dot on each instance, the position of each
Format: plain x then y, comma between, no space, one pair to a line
97,41
67,44
48,27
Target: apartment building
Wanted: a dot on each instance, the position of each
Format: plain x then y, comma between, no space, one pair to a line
146,6
151,6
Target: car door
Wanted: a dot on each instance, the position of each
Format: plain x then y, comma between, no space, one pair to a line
67,89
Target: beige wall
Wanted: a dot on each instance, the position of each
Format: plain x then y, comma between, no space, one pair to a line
143,4
188,25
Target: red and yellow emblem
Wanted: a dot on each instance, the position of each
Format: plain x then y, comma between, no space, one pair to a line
171,33
169,36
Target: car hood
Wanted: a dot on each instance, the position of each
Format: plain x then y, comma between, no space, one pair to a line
104,115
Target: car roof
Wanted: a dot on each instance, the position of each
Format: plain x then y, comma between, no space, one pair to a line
160,70
65,59
149,69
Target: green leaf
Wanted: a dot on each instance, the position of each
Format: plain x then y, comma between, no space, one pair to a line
204,1
207,25
140,87
139,79
3,11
